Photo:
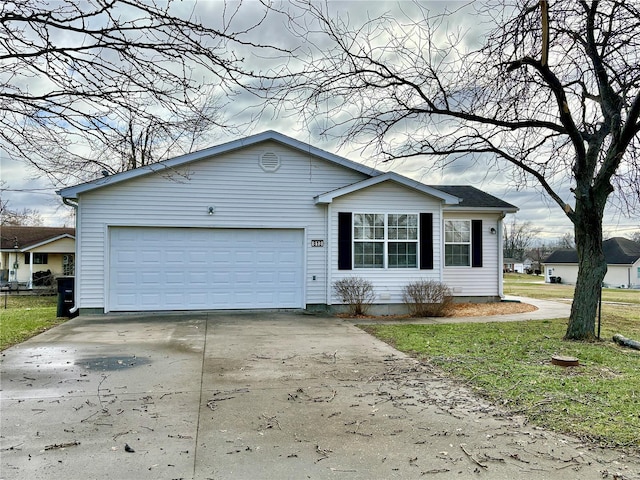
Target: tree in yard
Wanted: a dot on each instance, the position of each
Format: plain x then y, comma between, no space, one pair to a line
553,92
74,75
517,238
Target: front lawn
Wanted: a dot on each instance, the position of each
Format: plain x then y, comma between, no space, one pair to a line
26,316
510,363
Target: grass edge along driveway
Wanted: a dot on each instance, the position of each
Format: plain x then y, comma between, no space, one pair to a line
510,363
25,317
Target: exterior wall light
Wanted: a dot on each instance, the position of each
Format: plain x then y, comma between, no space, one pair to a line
493,231
211,210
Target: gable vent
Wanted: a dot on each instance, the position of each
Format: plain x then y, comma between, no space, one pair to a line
269,162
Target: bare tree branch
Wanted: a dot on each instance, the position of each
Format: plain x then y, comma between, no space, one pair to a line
555,99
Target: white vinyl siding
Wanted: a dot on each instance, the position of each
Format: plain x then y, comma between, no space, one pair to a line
386,198
617,275
477,281
242,193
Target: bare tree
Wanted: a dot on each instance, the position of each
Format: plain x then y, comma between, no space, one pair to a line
567,241
539,254
72,71
27,217
135,141
554,92
518,237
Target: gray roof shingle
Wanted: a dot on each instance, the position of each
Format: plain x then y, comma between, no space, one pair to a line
472,197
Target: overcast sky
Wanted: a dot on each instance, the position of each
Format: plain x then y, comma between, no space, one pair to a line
25,189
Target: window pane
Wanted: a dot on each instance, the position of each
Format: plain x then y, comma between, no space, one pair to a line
368,255
403,255
403,227
457,231
368,226
457,255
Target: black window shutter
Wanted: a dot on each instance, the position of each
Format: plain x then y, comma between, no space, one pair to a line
345,236
426,241
476,243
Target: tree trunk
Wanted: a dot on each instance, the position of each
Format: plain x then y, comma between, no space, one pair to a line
592,268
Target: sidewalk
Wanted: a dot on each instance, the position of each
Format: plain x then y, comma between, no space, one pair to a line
547,309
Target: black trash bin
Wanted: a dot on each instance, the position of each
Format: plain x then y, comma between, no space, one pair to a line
552,279
66,286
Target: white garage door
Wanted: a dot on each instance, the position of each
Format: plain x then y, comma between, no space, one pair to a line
199,269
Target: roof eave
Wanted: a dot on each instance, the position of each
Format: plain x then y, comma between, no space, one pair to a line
328,197
45,242
458,208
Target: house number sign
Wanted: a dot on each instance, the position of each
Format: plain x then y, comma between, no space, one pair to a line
317,243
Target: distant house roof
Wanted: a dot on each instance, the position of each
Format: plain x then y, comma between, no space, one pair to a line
22,238
617,251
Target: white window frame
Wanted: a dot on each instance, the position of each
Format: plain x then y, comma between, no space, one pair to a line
456,242
385,241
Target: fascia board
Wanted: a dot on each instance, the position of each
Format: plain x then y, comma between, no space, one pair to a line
328,197
452,209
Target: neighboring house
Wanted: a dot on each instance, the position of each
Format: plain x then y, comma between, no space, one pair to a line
271,222
34,256
623,264
509,265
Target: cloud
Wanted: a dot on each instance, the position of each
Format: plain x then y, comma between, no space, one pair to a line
244,111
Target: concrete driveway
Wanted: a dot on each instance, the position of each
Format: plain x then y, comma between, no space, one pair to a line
257,396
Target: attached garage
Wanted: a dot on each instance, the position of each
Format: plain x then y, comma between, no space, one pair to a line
204,268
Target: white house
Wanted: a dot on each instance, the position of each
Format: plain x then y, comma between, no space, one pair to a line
623,264
270,222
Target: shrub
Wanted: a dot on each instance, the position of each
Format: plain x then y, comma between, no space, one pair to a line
356,292
427,298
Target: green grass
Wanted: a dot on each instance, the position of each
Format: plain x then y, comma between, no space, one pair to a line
534,286
510,363
26,316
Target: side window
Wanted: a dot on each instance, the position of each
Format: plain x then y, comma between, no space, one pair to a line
457,243
38,258
68,265
368,240
402,241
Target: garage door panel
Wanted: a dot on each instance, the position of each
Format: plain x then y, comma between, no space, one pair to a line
188,269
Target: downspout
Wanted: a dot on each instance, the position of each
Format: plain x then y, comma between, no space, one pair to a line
73,204
327,261
500,256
